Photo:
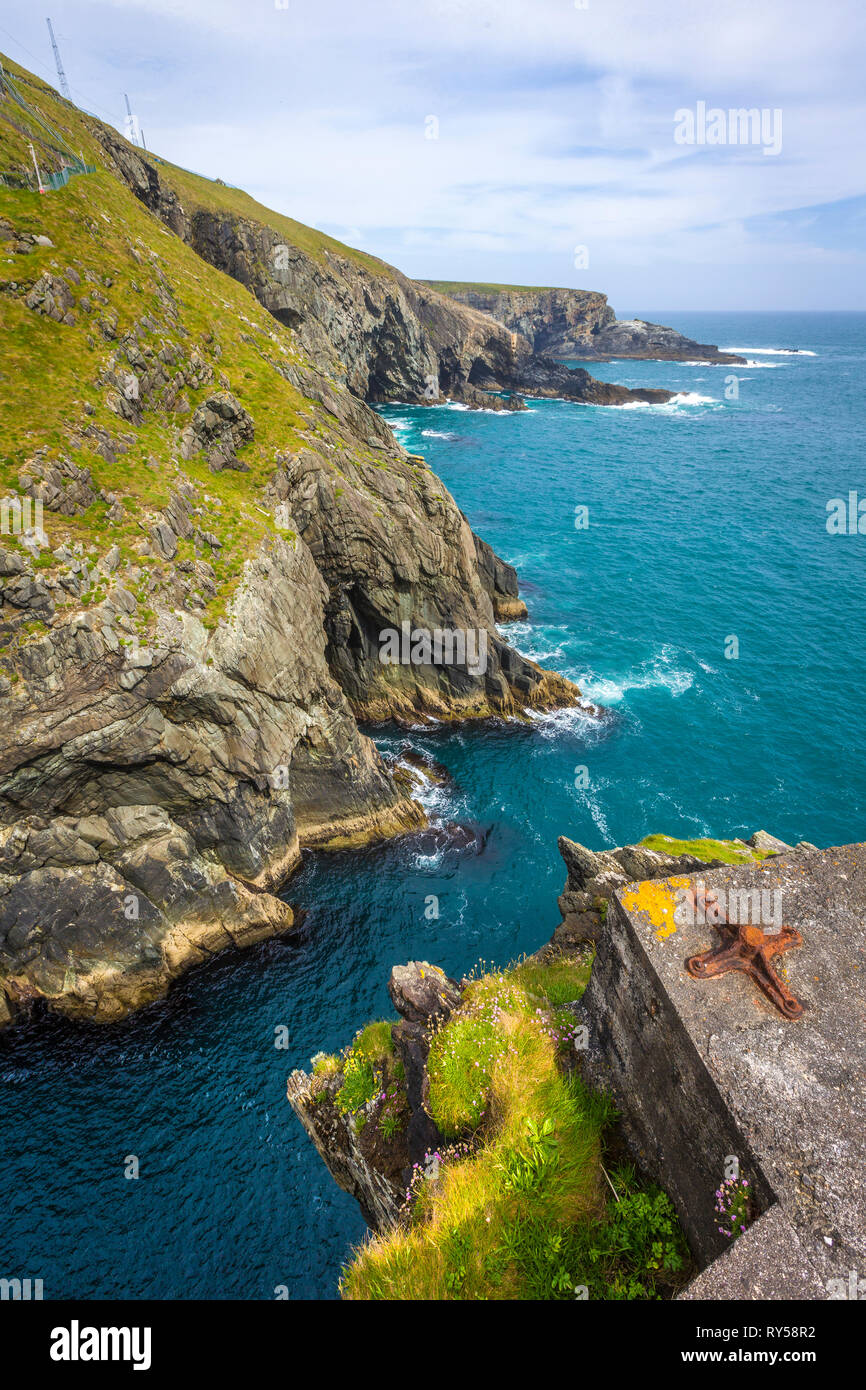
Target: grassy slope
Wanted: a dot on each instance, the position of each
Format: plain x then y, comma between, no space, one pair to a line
521,1207
49,372
195,191
469,286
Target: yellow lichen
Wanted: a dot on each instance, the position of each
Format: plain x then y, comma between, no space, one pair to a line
656,898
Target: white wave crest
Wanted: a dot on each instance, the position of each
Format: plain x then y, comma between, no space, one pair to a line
772,352
574,719
657,672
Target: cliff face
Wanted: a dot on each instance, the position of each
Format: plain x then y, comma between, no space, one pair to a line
366,1156
564,323
151,801
208,533
384,336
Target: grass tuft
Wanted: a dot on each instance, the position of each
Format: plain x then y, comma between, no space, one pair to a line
728,851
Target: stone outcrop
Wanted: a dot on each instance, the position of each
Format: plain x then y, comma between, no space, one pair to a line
373,1167
219,427
394,549
563,323
154,797
594,876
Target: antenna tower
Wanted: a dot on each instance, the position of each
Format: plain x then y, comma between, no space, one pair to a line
64,85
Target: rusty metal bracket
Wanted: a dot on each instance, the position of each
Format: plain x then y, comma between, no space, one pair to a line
748,949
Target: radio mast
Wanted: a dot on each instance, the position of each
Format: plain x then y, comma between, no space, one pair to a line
133,130
64,85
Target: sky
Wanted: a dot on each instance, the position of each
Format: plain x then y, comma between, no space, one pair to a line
538,142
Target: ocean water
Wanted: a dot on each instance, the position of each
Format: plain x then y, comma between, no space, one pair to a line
707,523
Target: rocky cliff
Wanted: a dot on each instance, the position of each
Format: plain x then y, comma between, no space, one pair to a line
562,323
384,336
205,535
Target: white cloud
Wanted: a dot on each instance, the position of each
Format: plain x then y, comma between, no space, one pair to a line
555,123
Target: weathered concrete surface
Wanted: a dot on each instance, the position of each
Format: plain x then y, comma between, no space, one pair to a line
703,1070
767,1262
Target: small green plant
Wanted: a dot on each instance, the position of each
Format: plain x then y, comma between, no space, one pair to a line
325,1064
734,1207
560,981
361,1081
460,1067
362,1068
643,1228
525,1168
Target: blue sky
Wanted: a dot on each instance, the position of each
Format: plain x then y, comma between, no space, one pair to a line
553,123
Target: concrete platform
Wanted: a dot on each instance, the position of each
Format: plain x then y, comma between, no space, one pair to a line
704,1070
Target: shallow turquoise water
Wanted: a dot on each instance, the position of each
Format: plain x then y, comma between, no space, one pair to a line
707,520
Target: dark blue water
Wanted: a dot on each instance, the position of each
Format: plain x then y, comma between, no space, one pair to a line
707,522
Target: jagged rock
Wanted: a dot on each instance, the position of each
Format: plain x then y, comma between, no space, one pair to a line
769,843
423,1137
10,563
242,732
52,297
393,548
99,914
581,863
220,427
62,487
373,1183
500,581
375,1168
165,539
422,993
593,878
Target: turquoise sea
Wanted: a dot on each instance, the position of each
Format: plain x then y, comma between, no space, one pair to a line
707,522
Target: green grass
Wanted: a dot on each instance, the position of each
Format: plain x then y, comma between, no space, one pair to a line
460,1068
326,1064
705,850
560,982
362,1068
520,1208
470,287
